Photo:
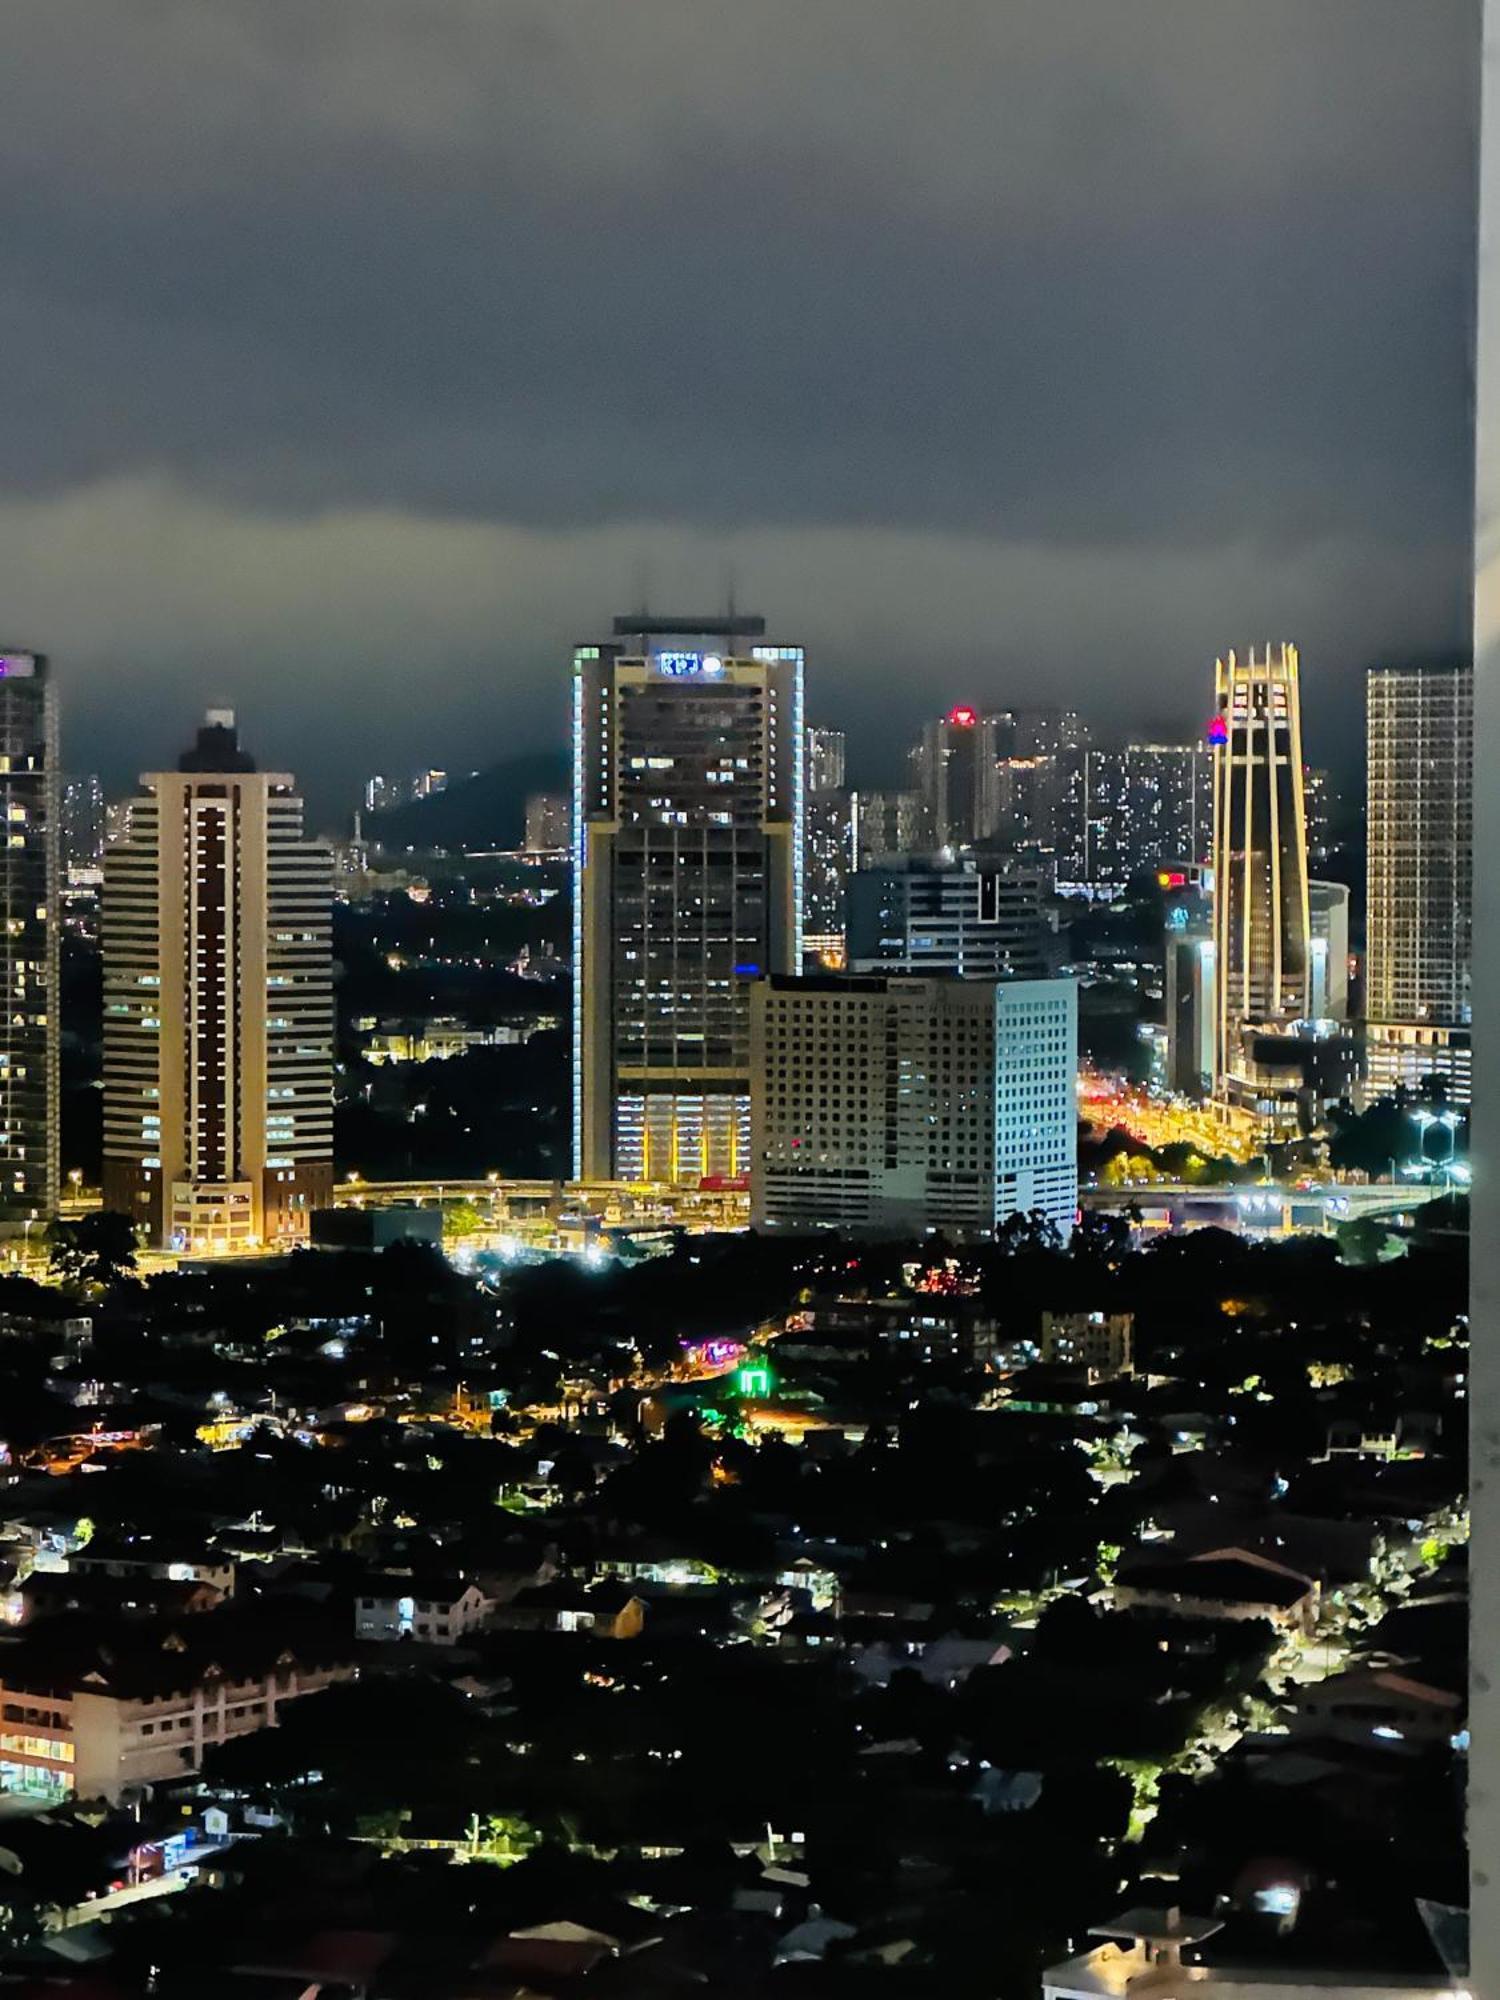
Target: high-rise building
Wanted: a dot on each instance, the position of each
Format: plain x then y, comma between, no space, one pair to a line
1040,786
954,774
885,823
827,848
978,916
827,751
1328,928
1320,802
1190,1006
29,952
688,842
547,830
218,1006
82,823
1420,883
1189,987
893,1105
1146,807
1262,932
383,794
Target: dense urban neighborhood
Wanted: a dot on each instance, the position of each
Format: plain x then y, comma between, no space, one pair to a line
848,1618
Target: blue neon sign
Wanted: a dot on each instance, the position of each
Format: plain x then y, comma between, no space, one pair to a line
679,666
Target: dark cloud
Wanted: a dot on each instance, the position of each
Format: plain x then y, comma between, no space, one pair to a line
1066,335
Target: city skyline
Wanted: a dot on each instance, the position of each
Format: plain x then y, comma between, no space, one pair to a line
742,751
990,416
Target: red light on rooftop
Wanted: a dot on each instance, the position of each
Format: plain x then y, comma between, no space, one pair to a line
963,717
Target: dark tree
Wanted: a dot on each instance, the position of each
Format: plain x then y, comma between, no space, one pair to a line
96,1249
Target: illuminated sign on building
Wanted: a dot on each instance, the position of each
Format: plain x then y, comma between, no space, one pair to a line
963,717
685,666
17,666
1218,730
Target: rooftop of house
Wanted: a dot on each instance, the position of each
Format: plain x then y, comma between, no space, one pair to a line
1221,1580
140,1659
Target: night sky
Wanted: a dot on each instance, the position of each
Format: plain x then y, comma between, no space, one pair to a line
362,355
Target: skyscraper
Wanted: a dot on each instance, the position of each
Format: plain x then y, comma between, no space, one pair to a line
1262,932
953,772
29,952
897,1104
827,847
1420,883
82,822
218,1006
688,781
1040,786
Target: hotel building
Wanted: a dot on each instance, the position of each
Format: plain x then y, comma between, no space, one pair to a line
892,1104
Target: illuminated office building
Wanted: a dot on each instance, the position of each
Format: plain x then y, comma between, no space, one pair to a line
29,797
893,1104
688,847
1420,881
218,1006
977,916
1261,920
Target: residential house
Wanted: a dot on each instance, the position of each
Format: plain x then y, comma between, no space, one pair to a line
436,1610
1227,1583
608,1610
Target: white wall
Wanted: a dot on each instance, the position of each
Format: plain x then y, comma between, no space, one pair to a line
1484,1770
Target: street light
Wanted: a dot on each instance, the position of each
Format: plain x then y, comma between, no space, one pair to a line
1449,1120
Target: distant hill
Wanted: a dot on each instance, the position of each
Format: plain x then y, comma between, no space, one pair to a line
485,811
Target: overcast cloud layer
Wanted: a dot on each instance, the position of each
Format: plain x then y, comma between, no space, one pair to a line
361,356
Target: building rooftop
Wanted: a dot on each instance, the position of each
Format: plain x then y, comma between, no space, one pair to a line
654,625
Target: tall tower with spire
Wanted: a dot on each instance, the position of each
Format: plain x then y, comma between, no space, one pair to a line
1262,926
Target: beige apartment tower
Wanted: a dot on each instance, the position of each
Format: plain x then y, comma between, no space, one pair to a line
1261,919
218,1006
